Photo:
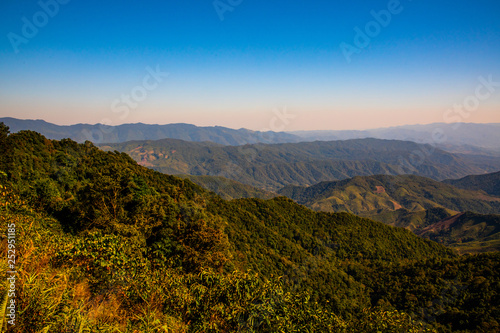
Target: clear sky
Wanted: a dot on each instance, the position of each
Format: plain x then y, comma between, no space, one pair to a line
238,63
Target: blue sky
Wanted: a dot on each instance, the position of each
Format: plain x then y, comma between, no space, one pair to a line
263,56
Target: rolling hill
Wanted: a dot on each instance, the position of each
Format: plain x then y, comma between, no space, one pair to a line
272,166
229,189
467,232
105,243
416,203
371,195
489,183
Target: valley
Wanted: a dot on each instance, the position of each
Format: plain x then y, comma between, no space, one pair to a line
159,231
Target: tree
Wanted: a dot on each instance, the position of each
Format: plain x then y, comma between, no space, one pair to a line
4,148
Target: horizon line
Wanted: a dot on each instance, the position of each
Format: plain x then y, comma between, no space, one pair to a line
248,129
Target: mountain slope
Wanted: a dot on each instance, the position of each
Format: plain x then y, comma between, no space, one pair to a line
271,167
466,232
417,203
87,189
229,189
374,194
489,183
131,248
111,134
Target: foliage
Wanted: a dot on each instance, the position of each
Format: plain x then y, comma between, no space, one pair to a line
270,167
416,203
104,245
489,183
229,189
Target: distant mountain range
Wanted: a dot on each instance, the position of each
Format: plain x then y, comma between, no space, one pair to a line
360,176
459,137
128,132
467,232
271,167
463,137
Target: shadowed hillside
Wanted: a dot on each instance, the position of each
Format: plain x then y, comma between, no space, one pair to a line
229,189
271,167
412,202
489,183
467,232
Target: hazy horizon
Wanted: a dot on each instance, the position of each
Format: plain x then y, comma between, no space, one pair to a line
251,64
238,128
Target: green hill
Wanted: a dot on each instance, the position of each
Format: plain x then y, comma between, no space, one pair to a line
411,202
489,183
106,245
467,232
229,189
373,195
271,167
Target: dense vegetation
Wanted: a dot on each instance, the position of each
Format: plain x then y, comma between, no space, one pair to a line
412,202
465,137
370,195
229,189
489,183
270,167
104,244
467,232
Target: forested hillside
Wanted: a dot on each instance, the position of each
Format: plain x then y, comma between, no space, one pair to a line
270,167
104,244
467,232
489,183
408,201
371,195
229,189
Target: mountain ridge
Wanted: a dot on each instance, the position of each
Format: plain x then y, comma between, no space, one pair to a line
272,166
419,204
453,137
489,183
154,248
99,133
